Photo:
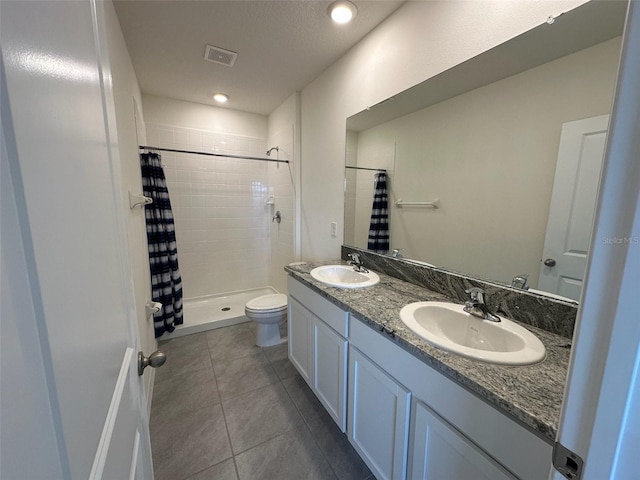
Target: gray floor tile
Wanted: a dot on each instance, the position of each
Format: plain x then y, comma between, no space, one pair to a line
244,374
226,346
344,460
291,456
189,426
259,415
306,401
194,341
223,471
184,443
183,393
230,331
279,358
184,354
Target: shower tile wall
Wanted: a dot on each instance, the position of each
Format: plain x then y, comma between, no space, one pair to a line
219,205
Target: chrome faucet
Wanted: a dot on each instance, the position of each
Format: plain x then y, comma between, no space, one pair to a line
520,281
357,263
477,307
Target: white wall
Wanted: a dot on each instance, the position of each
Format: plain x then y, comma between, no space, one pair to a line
167,111
283,132
420,40
125,92
489,155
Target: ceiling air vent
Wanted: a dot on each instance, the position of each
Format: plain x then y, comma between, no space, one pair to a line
220,55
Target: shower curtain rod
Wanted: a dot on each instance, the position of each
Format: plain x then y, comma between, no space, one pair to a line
242,157
372,169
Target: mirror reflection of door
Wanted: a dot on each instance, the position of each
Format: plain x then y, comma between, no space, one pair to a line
573,202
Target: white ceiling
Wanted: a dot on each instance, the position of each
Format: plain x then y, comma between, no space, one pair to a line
282,46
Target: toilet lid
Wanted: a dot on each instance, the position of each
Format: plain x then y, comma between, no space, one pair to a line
268,302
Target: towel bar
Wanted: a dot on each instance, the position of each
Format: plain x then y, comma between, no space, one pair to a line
434,204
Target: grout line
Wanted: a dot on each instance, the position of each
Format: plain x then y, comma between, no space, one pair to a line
306,424
280,381
224,415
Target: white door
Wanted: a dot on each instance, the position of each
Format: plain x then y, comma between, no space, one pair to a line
58,122
299,327
330,371
378,417
439,452
573,203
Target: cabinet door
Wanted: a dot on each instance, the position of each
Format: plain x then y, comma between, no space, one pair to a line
299,325
330,371
378,417
439,452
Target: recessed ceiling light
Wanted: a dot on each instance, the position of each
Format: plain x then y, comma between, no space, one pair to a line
342,11
220,97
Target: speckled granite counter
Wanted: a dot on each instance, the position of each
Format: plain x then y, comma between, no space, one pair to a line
530,394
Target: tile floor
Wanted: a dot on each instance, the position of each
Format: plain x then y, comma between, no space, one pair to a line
226,409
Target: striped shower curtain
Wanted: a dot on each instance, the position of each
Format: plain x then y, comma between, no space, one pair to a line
379,225
166,283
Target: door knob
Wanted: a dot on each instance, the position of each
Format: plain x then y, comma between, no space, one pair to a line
155,360
550,262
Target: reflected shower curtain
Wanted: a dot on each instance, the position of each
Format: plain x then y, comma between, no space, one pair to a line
166,283
379,225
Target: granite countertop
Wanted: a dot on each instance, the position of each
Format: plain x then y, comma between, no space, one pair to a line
531,394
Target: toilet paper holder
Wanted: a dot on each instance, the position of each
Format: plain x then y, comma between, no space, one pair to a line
151,308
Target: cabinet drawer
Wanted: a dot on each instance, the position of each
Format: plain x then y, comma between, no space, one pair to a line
329,313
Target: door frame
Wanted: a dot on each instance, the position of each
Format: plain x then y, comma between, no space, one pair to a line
600,412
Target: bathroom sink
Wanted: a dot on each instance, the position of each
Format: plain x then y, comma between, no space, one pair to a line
448,326
344,276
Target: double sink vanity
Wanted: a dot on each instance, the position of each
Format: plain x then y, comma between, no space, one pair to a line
421,387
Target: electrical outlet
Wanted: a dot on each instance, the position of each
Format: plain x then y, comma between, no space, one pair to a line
334,229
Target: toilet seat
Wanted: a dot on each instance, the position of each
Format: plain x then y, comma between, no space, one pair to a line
273,303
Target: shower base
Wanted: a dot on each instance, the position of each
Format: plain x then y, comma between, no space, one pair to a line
215,311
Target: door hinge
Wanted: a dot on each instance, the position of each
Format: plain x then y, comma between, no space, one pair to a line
566,462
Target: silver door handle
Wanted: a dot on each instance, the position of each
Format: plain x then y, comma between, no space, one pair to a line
155,360
550,262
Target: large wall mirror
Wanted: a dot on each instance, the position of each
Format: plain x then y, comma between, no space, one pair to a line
492,167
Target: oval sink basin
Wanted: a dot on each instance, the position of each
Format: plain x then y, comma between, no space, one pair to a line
344,276
448,326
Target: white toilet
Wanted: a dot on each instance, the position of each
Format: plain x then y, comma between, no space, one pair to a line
267,311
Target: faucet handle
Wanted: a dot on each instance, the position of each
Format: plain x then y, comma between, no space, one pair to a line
355,258
520,281
476,294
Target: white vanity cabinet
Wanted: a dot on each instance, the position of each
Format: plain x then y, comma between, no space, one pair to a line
378,417
405,418
449,427
318,347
